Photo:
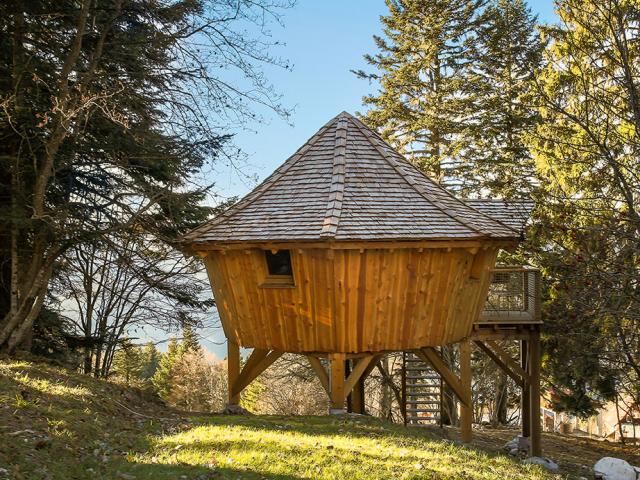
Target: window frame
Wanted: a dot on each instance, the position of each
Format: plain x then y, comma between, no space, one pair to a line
272,280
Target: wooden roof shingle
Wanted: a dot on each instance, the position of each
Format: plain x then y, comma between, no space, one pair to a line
346,183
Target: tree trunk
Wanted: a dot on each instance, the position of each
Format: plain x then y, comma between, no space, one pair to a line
500,399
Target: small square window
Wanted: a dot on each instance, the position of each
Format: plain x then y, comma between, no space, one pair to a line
279,270
279,263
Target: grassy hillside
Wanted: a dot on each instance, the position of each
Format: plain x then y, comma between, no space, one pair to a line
57,425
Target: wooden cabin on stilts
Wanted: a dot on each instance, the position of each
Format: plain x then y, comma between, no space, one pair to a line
347,252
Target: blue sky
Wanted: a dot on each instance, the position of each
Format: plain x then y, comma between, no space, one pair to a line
323,40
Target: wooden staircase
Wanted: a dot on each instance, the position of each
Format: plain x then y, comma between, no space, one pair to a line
422,392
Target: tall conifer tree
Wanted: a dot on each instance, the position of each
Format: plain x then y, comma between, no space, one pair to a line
421,60
452,77
508,52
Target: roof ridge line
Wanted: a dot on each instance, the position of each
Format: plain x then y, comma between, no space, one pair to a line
367,132
259,190
336,191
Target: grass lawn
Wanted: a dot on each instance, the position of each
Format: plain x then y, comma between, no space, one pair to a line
57,425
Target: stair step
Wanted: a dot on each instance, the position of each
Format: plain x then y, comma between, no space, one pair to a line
423,377
423,410
424,385
423,402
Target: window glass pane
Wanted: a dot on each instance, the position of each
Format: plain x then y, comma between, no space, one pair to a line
279,263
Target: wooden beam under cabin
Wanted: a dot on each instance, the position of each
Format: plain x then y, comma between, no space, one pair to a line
256,356
506,359
466,412
525,398
337,381
431,356
498,361
534,372
233,370
255,370
357,372
321,372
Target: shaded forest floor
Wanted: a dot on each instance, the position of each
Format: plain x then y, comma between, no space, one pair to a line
59,425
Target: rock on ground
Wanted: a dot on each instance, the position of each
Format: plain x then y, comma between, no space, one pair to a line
543,462
609,468
235,410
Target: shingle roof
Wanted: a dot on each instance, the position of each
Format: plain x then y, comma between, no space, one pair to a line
513,213
345,184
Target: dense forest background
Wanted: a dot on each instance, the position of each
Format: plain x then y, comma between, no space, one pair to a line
111,110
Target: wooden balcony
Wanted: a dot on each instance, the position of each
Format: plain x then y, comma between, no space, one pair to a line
513,298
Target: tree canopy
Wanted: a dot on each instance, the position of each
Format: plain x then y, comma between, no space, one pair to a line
110,109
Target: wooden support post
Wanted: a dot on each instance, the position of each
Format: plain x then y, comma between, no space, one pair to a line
526,391
357,394
337,382
233,370
534,375
348,364
466,411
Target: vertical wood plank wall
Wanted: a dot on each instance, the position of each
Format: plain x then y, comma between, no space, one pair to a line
352,300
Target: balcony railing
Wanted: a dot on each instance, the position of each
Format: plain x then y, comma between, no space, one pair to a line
514,296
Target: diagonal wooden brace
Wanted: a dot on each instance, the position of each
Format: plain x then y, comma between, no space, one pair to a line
431,356
504,361
257,363
321,372
361,367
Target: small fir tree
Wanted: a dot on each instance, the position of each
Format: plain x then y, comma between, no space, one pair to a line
128,361
162,378
150,361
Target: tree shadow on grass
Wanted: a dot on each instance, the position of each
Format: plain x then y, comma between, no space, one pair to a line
189,472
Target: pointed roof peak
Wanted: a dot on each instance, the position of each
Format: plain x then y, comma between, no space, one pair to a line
346,183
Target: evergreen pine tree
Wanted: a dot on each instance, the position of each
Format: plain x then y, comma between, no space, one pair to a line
127,361
190,341
507,53
150,361
421,64
163,376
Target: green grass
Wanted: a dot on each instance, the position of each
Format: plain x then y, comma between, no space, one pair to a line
325,448
57,425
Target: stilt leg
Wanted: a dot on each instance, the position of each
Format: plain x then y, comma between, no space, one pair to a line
233,369
525,400
347,370
534,373
466,412
337,382
357,395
